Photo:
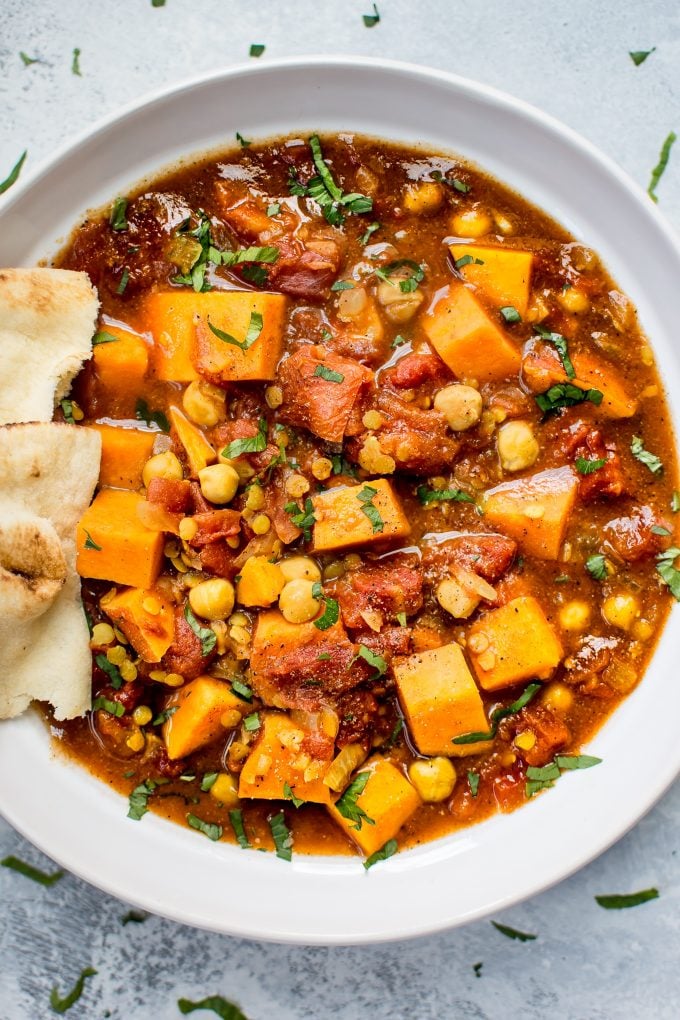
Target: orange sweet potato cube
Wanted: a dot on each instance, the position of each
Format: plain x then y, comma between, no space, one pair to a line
185,347
121,364
112,543
593,373
124,454
342,522
502,275
199,451
146,617
204,711
534,510
388,799
440,701
278,759
513,643
467,339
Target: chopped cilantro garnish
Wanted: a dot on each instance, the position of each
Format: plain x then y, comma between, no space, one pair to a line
370,229
466,260
451,182
388,850
427,496
111,671
252,333
75,63
67,409
342,285
371,20
289,794
236,819
125,276
283,839
650,460
566,395
256,49
585,466
206,636
217,1003
209,829
407,284
401,619
302,519
544,777
331,609
252,444
13,174
138,800
639,56
366,497
102,337
163,716
112,707
208,781
513,933
398,341
560,343
90,542
60,1005
252,723
525,697
118,217
668,572
675,501
510,313
658,170
347,804
373,659
473,782
328,374
597,567
142,413
28,871
622,902
242,690
323,189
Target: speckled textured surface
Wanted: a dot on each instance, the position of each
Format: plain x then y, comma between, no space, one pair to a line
571,59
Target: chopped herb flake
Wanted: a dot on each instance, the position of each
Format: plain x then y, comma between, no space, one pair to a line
60,1005
252,722
401,619
75,63
370,229
473,782
566,395
366,497
120,289
513,933
597,567
668,572
639,56
252,334
323,189
28,871
274,209
242,690
13,174
584,466
510,313
388,850
207,637
373,659
163,716
576,761
289,794
224,1009
138,800
102,337
347,804
236,819
622,902
105,704
342,285
408,284
328,374
118,217
283,840
243,142
256,49
658,170
208,781
560,342
67,409
142,413
398,341
253,444
675,501
133,917
330,615
525,697
90,542
371,20
650,460
209,829
27,61
303,519
466,260
427,496
111,671
451,182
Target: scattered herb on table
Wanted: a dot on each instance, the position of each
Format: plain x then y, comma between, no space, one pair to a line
622,902
477,967
134,917
513,933
13,174
256,49
60,1005
371,20
658,171
75,63
224,1009
639,56
27,61
28,871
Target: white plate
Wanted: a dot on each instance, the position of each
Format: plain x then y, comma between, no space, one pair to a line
172,871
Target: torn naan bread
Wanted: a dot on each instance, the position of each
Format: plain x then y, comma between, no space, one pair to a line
47,318
48,472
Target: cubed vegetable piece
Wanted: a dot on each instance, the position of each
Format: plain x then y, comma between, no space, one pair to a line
281,758
502,275
204,712
260,583
467,338
124,454
121,365
185,347
513,643
199,451
112,543
146,617
388,799
440,700
592,372
341,520
534,510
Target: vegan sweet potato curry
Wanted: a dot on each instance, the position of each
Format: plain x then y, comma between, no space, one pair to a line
384,526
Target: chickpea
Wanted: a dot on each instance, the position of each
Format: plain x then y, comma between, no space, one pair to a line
433,778
423,198
296,567
621,610
212,599
517,446
163,465
352,303
574,300
472,222
454,599
204,403
575,616
461,406
219,482
399,307
296,601
558,697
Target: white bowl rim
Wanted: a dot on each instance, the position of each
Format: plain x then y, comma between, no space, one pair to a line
79,859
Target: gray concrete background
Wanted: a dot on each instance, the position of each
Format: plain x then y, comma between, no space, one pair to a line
571,58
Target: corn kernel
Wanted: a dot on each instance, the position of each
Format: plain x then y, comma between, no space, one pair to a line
558,697
102,634
297,485
372,420
274,397
254,497
135,741
224,790
621,610
575,616
525,740
76,411
142,715
322,468
128,671
187,529
260,524
116,655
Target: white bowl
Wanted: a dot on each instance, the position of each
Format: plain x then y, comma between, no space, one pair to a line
169,870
